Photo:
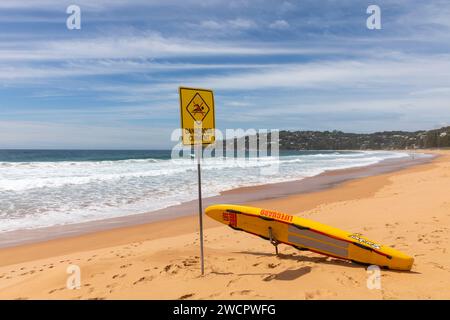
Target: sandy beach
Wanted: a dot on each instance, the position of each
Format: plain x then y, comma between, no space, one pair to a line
408,209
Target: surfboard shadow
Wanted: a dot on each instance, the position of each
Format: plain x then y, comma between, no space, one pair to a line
286,275
289,274
320,260
296,257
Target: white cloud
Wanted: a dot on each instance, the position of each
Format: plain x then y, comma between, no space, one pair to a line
138,47
56,5
238,104
350,72
432,91
279,25
242,23
15,73
226,26
286,7
415,72
211,24
413,75
343,112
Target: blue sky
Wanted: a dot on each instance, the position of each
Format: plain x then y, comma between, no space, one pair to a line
306,65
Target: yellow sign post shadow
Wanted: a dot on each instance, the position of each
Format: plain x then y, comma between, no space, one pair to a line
198,129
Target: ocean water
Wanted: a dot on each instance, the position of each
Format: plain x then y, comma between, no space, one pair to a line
41,188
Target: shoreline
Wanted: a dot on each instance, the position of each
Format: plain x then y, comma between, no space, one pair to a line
241,195
407,209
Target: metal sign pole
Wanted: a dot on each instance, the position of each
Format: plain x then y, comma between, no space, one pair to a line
198,142
197,115
200,209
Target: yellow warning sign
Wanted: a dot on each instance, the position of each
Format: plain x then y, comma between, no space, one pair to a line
197,113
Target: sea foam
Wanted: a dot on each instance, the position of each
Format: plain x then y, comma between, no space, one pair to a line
38,194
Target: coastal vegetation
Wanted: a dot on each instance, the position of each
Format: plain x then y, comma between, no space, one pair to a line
338,140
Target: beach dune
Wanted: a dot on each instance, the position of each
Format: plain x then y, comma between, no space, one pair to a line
408,209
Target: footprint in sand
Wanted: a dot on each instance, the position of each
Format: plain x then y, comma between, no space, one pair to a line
317,294
348,280
143,279
423,238
167,268
241,292
171,268
186,296
189,262
437,265
112,285
231,282
58,289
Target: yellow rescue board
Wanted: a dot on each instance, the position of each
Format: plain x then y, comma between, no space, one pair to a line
306,234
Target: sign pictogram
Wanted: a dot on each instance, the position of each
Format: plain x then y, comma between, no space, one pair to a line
197,111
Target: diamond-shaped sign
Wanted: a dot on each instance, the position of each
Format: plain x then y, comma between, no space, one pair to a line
197,113
197,108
